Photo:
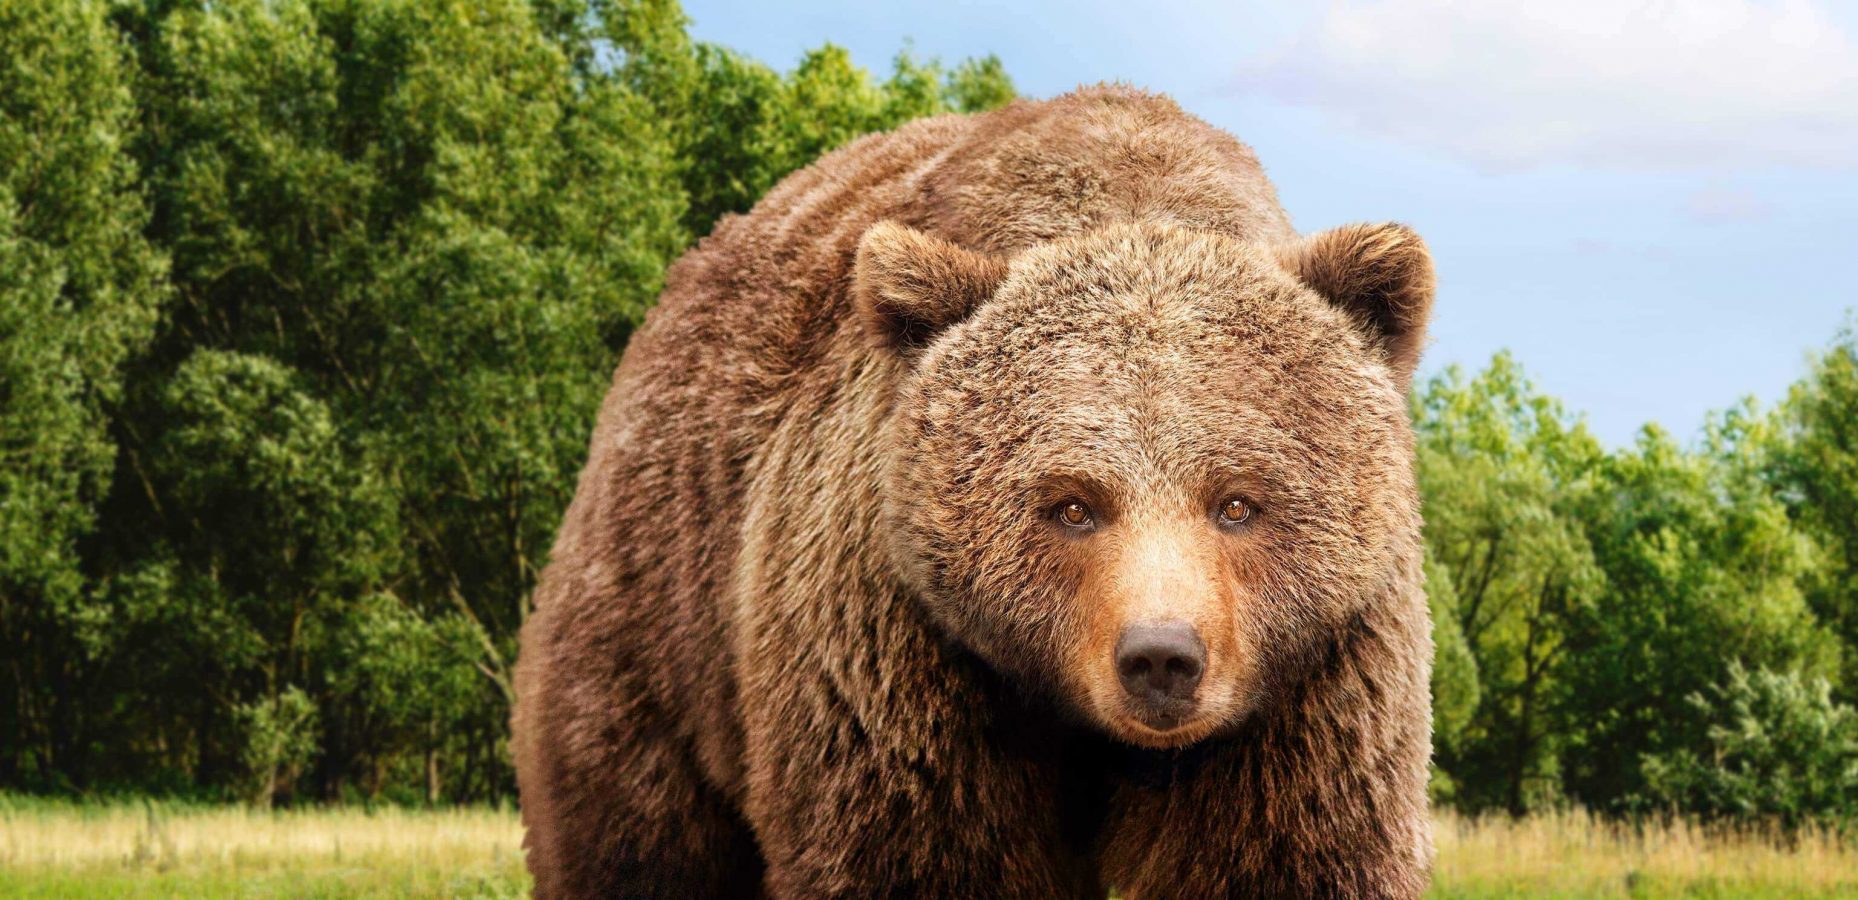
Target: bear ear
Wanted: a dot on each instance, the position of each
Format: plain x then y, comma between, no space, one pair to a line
909,285
1379,274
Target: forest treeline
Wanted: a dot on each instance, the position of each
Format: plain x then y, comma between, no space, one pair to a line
306,307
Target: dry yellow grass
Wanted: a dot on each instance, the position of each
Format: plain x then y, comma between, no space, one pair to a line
155,850
58,849
127,836
1573,854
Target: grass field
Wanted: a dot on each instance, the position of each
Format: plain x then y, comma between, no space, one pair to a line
1574,855
160,850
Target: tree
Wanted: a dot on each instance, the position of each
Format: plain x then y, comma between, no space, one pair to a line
80,290
1815,471
1778,748
400,684
273,534
1455,688
1597,591
411,237
738,127
1703,567
279,539
1501,468
279,739
978,85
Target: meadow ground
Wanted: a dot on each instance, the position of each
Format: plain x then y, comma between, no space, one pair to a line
50,849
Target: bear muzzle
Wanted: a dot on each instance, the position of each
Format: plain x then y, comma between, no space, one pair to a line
1159,666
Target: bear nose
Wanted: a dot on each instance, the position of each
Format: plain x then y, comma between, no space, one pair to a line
1160,663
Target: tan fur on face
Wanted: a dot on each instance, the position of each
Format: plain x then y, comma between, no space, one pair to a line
1154,569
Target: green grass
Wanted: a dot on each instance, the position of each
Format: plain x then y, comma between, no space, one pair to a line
56,849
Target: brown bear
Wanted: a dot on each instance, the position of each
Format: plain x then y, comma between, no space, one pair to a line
1009,505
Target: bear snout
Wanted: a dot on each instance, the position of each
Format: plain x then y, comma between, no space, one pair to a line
1160,665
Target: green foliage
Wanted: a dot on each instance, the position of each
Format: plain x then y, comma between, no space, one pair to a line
1455,688
1703,566
737,127
1778,748
80,289
1501,468
279,737
1816,474
978,85
401,682
306,308
1594,591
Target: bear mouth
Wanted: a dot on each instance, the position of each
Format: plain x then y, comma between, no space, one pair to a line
1169,724
1179,722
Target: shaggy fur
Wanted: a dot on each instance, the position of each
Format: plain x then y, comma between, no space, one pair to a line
810,628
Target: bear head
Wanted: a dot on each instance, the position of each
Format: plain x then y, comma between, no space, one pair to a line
1150,471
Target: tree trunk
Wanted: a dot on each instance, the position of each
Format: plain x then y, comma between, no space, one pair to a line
432,761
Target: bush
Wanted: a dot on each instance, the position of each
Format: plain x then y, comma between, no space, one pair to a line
1778,747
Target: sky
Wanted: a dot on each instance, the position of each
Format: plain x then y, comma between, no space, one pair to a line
1652,203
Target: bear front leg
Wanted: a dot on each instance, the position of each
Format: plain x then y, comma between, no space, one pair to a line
614,802
1323,796
879,766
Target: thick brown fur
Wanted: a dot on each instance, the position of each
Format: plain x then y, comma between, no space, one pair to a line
809,629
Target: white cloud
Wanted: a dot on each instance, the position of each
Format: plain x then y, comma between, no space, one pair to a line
1627,83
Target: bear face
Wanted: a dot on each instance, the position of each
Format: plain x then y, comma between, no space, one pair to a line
1149,471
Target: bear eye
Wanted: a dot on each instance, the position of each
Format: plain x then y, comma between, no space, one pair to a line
1074,514
1235,511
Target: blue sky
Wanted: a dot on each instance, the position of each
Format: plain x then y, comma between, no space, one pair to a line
1652,203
